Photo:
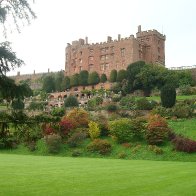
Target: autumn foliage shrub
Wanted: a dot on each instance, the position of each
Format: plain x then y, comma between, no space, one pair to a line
94,131
79,117
65,127
101,146
48,129
184,144
157,130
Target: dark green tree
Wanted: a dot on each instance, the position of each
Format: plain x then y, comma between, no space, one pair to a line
103,78
113,75
48,84
132,70
121,75
93,78
18,104
83,78
74,80
59,80
66,83
71,101
168,96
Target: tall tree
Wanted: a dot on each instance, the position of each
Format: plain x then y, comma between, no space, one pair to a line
93,78
66,83
74,80
113,75
121,75
48,84
103,78
59,80
83,78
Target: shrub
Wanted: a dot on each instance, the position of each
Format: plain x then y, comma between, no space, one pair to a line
185,90
76,153
76,138
79,117
71,101
157,130
155,149
58,112
162,111
168,96
36,105
53,143
112,108
128,102
121,75
94,130
138,127
122,155
65,127
48,129
181,110
144,104
184,144
121,130
126,145
116,98
93,78
101,146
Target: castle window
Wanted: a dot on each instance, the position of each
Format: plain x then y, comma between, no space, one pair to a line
147,39
91,51
112,48
80,60
102,50
106,57
80,52
102,57
122,52
106,66
80,68
90,67
102,66
91,58
106,49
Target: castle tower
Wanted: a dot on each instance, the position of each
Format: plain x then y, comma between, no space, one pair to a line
151,46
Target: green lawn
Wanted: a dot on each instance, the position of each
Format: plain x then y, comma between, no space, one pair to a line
48,175
186,127
179,98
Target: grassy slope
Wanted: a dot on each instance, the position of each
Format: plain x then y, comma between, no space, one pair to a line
179,97
185,127
42,175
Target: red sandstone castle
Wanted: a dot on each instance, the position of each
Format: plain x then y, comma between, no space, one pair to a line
148,46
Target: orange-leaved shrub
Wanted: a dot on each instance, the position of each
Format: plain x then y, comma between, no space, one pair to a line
101,146
157,130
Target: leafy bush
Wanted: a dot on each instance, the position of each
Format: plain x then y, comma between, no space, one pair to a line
155,149
71,101
103,78
162,111
76,153
94,130
122,155
76,138
121,130
112,108
184,144
128,102
116,98
157,130
168,96
53,143
79,117
48,129
58,112
144,104
65,127
36,105
113,75
185,90
181,110
101,146
93,103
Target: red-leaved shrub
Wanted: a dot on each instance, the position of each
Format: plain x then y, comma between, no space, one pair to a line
65,127
48,129
184,144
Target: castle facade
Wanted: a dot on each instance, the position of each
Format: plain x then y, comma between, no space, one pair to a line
148,46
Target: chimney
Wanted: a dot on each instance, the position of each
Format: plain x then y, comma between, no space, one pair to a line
86,40
109,39
119,37
139,29
48,70
34,72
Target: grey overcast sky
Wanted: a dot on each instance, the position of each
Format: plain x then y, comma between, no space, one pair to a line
42,44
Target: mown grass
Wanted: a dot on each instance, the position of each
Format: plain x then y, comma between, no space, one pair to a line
47,175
